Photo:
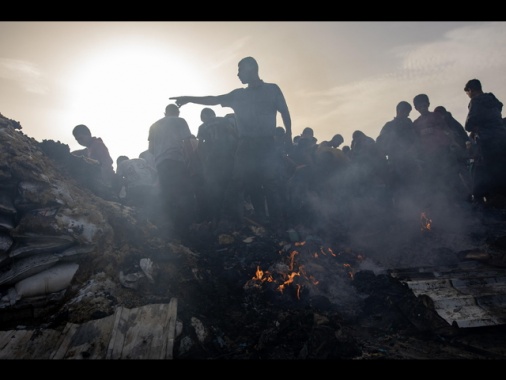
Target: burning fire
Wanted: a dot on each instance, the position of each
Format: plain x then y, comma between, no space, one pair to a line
288,281
292,271
351,273
259,276
425,221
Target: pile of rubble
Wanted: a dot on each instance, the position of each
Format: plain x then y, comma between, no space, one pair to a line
250,294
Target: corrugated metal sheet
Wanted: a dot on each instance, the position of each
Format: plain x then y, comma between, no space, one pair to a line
471,294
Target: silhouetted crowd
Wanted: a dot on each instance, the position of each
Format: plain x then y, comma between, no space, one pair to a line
225,176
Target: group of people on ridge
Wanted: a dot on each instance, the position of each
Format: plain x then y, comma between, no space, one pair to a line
244,165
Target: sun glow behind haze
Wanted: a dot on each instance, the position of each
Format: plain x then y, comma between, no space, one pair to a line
119,92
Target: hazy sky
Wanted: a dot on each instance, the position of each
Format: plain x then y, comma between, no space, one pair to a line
337,77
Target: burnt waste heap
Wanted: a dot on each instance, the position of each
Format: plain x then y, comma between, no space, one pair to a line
70,253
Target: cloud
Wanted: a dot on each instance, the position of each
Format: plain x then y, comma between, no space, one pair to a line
26,74
438,68
464,49
224,56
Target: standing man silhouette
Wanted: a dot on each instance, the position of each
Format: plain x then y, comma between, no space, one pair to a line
255,108
485,124
168,141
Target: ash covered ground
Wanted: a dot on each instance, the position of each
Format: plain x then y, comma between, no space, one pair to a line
299,294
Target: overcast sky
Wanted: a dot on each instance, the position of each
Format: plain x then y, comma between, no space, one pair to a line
337,77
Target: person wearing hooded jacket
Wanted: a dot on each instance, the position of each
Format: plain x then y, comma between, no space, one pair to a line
485,124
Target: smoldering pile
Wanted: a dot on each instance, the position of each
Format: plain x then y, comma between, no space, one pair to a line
299,294
307,273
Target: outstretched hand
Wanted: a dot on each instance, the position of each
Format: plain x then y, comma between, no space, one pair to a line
180,100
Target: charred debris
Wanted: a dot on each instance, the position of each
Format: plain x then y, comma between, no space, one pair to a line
70,253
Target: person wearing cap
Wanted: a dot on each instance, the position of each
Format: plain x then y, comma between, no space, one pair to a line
485,124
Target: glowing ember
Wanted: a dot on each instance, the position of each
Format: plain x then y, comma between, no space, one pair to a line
303,269
351,273
426,222
292,259
259,276
288,282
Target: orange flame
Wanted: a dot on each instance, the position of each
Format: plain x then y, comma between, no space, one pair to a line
350,271
426,222
259,276
288,281
286,277
292,258
298,291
